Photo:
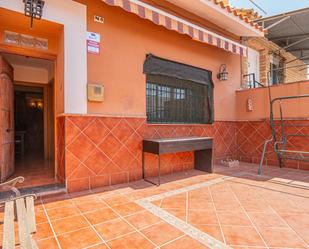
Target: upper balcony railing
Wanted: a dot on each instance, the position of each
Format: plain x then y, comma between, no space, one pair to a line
250,81
277,76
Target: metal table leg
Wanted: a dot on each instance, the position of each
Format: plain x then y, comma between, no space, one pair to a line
143,165
159,170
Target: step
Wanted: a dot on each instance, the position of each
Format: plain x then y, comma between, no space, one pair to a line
45,190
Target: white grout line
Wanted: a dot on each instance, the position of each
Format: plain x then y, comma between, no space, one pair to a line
213,203
117,218
50,224
288,183
184,189
97,146
136,230
45,238
123,235
289,226
165,215
189,230
248,216
187,206
273,247
161,202
98,244
171,241
92,226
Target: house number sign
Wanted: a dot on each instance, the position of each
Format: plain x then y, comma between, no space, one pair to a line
98,19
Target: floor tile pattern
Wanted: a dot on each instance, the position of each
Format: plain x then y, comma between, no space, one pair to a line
182,225
243,211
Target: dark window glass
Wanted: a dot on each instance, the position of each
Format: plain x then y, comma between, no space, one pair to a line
276,74
171,100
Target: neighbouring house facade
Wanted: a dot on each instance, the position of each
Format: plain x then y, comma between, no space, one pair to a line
107,93
263,51
265,57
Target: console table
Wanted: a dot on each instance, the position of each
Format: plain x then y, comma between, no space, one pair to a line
202,147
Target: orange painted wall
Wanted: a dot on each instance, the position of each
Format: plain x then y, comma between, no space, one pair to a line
291,108
54,32
125,41
16,22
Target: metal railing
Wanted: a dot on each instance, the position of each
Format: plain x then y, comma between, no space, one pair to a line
176,101
251,81
281,142
279,75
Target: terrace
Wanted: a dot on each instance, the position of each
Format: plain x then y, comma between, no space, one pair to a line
231,208
91,192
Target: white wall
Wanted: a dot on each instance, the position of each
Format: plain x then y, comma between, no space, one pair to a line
73,16
254,63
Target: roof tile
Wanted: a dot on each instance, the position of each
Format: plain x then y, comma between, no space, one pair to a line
240,13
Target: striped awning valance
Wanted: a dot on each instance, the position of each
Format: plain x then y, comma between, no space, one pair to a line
179,25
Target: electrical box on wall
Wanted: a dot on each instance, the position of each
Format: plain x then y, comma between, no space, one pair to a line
95,92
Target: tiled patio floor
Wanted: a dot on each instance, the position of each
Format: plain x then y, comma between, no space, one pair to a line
231,208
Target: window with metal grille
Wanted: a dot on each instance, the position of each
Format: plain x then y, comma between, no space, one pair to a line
172,100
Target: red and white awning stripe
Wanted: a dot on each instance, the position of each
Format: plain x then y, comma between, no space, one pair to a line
179,25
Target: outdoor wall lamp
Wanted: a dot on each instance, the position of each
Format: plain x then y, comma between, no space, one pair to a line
34,9
35,103
222,75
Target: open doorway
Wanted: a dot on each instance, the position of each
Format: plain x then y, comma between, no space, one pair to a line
28,123
33,120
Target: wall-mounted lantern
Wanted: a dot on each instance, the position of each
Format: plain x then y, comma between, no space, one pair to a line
34,102
222,75
34,9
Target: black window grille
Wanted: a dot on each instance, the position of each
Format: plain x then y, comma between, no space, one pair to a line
172,100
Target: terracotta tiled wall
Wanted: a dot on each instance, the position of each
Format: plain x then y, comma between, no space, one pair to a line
60,148
251,136
101,151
